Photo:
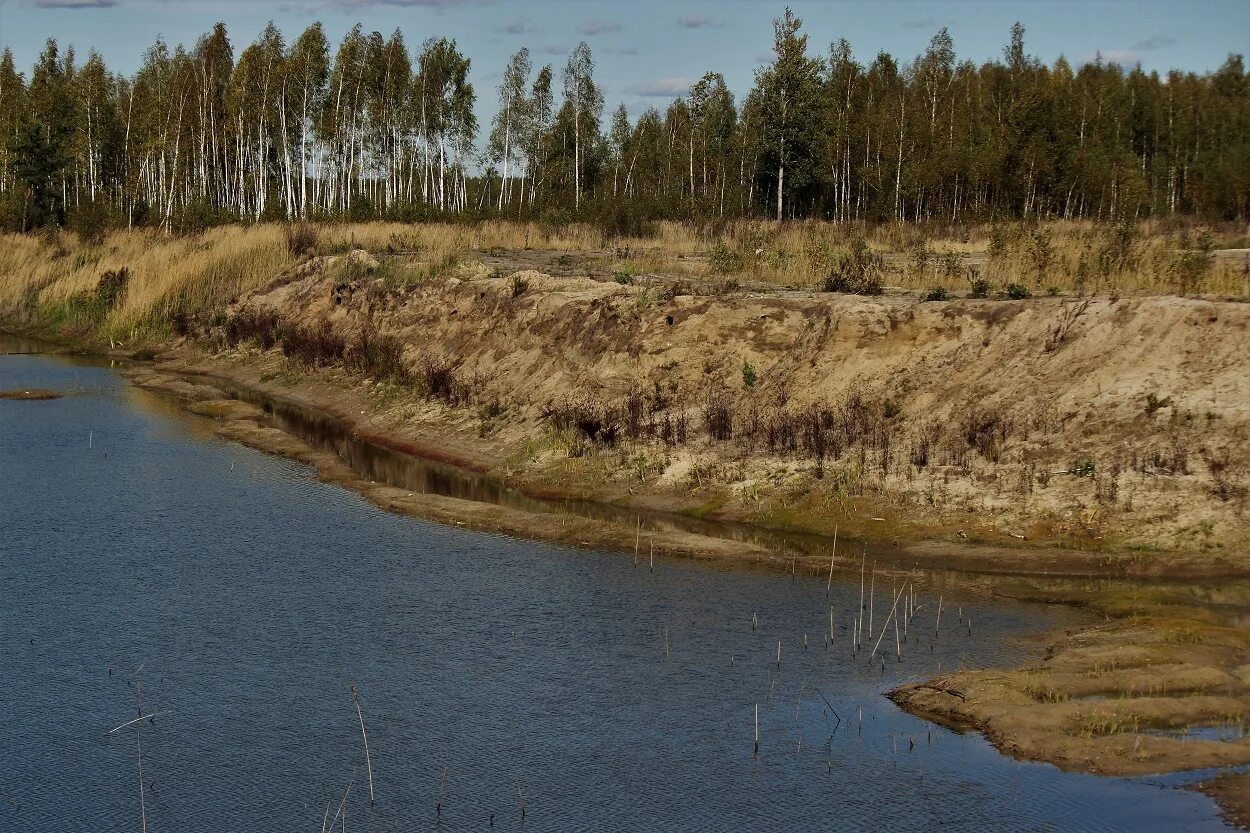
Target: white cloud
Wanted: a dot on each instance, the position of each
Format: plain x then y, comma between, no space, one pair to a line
661,87
598,27
696,21
1124,57
1154,42
75,4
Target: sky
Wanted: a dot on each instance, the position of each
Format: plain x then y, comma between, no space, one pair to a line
648,51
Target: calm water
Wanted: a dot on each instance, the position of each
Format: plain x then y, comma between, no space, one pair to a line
247,598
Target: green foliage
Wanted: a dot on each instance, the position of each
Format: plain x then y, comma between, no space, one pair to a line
749,376
1082,468
937,293
980,288
1018,292
724,260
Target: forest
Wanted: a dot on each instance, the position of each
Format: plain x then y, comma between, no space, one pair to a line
373,129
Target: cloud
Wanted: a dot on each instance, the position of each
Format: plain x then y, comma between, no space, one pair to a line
75,4
1123,57
515,26
696,21
661,87
433,4
551,49
922,23
1154,42
598,27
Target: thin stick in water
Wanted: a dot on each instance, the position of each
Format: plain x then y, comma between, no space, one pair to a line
365,737
833,555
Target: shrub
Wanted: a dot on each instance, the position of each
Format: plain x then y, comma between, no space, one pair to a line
1018,292
261,327
723,259
313,345
379,356
749,376
987,431
858,272
111,286
718,416
301,239
519,285
937,293
980,288
440,379
1154,403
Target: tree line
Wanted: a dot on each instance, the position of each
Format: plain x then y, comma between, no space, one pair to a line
200,135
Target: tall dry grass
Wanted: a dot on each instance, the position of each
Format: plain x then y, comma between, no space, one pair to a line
46,279
165,274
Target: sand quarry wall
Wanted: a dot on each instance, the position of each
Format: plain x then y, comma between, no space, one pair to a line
1076,379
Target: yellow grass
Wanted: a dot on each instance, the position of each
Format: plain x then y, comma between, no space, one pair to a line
204,272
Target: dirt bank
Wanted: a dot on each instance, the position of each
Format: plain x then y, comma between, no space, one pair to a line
1107,426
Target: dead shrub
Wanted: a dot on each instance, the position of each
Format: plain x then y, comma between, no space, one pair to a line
301,239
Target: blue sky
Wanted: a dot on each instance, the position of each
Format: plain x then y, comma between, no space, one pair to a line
649,50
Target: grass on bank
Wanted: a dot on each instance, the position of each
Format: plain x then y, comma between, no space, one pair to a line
133,283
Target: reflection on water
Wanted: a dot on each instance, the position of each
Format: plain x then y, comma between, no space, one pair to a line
248,597
395,468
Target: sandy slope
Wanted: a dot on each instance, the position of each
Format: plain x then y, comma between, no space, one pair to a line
1066,382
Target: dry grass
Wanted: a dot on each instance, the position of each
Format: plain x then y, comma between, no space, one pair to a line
54,279
166,275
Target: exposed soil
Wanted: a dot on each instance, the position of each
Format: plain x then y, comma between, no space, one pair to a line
1232,793
1115,427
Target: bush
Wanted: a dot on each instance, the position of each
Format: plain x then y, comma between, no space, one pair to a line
301,239
519,285
261,327
723,259
315,345
749,375
981,288
111,286
858,272
1154,403
381,357
937,293
1018,292
440,379
718,416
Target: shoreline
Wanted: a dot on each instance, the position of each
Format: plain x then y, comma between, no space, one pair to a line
1041,561
1003,717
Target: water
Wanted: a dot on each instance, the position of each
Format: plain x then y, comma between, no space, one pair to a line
247,598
